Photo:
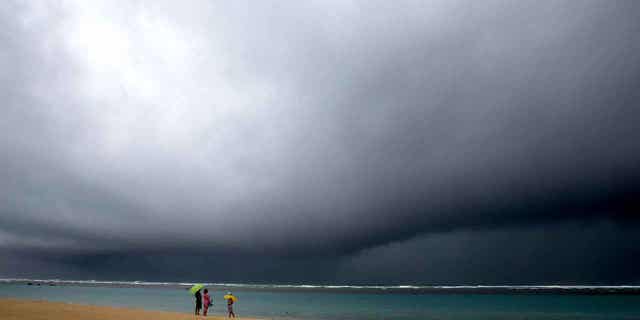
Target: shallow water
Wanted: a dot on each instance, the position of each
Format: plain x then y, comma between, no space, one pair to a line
309,304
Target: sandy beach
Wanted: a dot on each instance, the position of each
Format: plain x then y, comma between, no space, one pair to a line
45,310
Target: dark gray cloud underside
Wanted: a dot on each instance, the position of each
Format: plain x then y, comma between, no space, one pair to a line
315,137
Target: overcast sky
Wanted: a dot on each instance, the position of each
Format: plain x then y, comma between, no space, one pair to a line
432,142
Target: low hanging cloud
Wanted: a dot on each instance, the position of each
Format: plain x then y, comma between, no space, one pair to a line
306,129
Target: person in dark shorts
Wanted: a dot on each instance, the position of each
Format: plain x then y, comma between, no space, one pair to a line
198,302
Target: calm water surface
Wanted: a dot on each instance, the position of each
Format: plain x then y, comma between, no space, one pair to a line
349,305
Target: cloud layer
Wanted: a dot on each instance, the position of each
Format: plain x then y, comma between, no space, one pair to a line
286,130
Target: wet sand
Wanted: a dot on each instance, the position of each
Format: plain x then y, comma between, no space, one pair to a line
13,309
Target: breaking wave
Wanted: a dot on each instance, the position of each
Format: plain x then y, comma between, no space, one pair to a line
361,288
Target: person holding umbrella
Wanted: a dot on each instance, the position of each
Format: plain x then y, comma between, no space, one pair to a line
230,300
196,291
198,302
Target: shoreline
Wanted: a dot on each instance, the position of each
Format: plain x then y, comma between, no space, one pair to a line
15,308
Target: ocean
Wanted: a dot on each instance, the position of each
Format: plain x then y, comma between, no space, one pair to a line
350,302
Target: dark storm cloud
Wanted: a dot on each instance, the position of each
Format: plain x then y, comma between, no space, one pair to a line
286,130
595,253
567,253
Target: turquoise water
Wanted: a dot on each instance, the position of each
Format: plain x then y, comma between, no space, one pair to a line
307,304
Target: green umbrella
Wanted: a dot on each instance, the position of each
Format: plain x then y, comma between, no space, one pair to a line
195,288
